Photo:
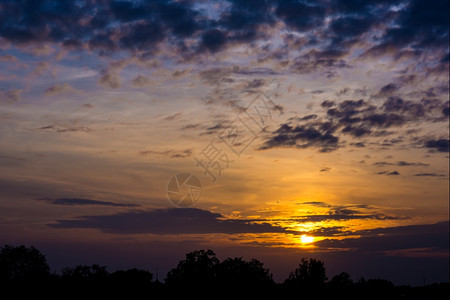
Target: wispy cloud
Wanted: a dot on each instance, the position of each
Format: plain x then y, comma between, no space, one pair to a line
62,129
169,153
81,201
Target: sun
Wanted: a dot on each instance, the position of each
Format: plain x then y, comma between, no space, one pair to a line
306,239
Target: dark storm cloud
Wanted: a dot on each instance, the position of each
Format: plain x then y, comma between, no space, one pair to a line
432,236
351,26
300,16
426,107
316,60
168,221
387,90
213,40
139,36
302,136
421,24
359,119
140,27
441,145
79,201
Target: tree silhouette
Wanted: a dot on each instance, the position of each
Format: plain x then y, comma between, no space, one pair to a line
197,269
341,280
238,272
309,274
132,277
22,263
201,274
85,273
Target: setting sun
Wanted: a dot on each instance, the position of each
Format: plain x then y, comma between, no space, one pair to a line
306,239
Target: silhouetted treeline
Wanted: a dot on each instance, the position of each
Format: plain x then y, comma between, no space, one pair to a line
24,271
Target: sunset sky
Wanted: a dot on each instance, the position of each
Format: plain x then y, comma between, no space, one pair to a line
341,151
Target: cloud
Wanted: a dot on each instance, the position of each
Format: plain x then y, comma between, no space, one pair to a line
110,79
10,96
415,28
59,89
219,126
213,40
317,203
88,105
358,145
387,90
191,126
43,50
432,236
388,173
168,221
144,27
358,119
343,213
8,58
327,103
6,160
140,81
407,164
79,201
169,153
173,117
428,175
400,164
441,145
319,60
61,129
300,16
301,137
342,216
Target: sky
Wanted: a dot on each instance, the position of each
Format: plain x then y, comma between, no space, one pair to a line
133,132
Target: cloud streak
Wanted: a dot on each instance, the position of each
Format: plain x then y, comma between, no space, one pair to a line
168,221
83,202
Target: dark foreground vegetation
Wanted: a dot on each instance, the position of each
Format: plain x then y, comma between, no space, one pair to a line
24,272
